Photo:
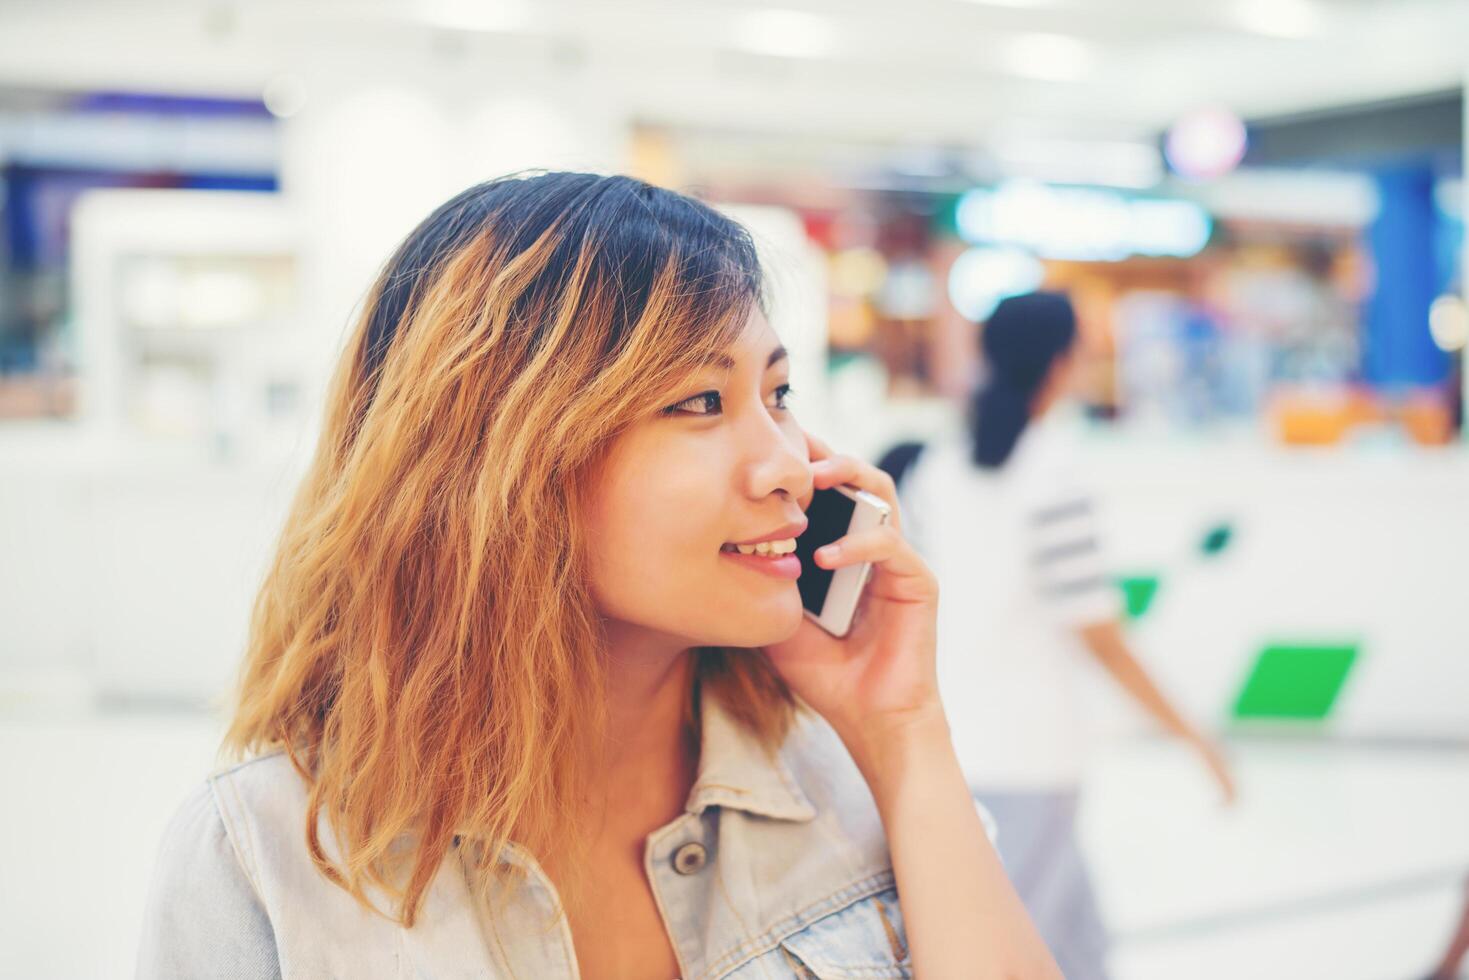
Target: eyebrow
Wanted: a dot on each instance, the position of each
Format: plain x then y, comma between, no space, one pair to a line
727,363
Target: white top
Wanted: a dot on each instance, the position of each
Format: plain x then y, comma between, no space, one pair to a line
1021,568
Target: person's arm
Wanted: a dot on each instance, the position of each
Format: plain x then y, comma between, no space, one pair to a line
1108,645
962,916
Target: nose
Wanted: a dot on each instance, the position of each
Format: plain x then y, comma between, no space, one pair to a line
775,459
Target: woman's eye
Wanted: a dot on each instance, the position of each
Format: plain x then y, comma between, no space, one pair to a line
704,403
712,403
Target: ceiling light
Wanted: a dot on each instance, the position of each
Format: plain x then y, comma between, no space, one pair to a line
481,16
1293,19
1206,143
1048,57
784,34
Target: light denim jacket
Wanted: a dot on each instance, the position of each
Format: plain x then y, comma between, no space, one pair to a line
773,870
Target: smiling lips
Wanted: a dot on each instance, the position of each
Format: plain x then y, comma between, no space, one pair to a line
774,554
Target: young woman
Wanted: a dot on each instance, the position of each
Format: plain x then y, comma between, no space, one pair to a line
518,705
1003,513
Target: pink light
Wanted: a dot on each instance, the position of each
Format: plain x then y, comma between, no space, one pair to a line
1206,143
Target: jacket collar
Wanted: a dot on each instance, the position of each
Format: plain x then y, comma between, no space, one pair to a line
736,772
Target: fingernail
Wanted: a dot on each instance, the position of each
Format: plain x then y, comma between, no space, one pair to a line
829,553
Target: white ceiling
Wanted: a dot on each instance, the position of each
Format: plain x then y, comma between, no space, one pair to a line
922,72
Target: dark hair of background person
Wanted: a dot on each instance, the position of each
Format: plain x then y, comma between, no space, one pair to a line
1021,340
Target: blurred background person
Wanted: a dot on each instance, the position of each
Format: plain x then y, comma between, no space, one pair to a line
1012,531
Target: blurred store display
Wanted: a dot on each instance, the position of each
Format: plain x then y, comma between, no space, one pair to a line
1234,306
187,315
59,149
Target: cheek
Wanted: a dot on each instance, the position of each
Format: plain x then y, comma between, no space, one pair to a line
660,507
655,519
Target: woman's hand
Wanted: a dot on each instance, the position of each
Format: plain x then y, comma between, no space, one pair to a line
879,680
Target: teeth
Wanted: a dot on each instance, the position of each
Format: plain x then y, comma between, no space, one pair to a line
768,549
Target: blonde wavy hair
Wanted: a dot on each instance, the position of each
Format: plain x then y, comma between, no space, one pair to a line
425,646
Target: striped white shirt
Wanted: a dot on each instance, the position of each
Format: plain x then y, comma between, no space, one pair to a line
1021,566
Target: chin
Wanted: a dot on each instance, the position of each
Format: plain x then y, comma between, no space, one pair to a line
771,623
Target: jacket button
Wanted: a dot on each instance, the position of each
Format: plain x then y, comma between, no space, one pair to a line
690,859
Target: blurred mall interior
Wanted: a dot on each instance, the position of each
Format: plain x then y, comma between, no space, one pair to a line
1256,206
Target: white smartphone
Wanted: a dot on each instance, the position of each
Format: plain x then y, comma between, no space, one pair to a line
831,597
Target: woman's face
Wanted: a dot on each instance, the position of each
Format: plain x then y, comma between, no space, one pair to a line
725,465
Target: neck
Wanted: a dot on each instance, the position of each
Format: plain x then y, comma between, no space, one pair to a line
652,757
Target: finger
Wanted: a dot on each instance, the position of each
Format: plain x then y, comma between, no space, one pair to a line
858,473
883,546
816,451
816,448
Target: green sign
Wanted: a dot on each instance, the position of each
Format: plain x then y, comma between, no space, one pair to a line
1138,592
1297,681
